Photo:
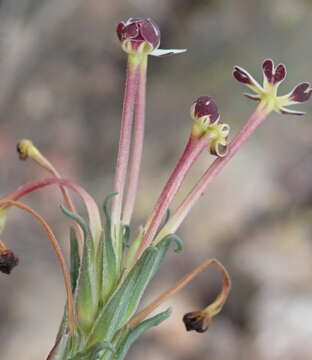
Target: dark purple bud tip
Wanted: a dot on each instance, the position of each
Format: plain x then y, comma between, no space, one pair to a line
272,74
7,261
138,31
301,93
242,75
205,106
196,321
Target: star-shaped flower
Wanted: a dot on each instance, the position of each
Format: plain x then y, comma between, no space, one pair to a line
267,93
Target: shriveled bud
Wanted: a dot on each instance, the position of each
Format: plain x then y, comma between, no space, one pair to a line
7,261
197,321
23,148
204,112
138,35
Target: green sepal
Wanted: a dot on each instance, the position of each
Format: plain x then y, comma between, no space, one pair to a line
110,269
94,352
87,294
133,334
124,302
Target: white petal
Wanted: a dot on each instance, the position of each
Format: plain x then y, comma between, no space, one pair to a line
166,52
285,111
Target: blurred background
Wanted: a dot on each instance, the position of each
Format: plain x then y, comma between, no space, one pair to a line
62,75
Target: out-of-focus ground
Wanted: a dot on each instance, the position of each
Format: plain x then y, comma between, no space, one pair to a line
61,84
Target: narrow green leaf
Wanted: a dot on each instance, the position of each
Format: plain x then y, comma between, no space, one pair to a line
110,271
94,352
136,332
87,295
124,302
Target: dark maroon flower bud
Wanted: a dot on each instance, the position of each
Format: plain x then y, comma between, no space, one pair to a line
138,35
205,107
7,261
272,74
301,93
197,321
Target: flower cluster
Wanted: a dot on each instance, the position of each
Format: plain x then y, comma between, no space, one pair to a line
110,267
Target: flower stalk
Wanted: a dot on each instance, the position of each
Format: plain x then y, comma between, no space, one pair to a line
59,254
27,149
125,138
194,147
138,141
93,211
211,310
215,168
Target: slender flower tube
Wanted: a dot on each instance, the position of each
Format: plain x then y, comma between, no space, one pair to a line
93,211
268,102
125,139
137,148
205,129
58,251
207,314
139,38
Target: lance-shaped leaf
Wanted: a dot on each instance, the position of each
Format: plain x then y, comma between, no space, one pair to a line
124,302
74,273
94,352
110,272
133,334
87,294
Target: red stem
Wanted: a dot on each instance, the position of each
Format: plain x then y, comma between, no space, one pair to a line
137,148
93,212
124,140
198,190
192,150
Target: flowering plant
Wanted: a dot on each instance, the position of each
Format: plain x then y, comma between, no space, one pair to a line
110,266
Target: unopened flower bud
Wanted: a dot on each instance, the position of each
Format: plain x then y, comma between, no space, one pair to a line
7,261
204,112
24,147
138,36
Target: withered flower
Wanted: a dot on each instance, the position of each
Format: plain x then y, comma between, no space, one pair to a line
197,321
7,261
